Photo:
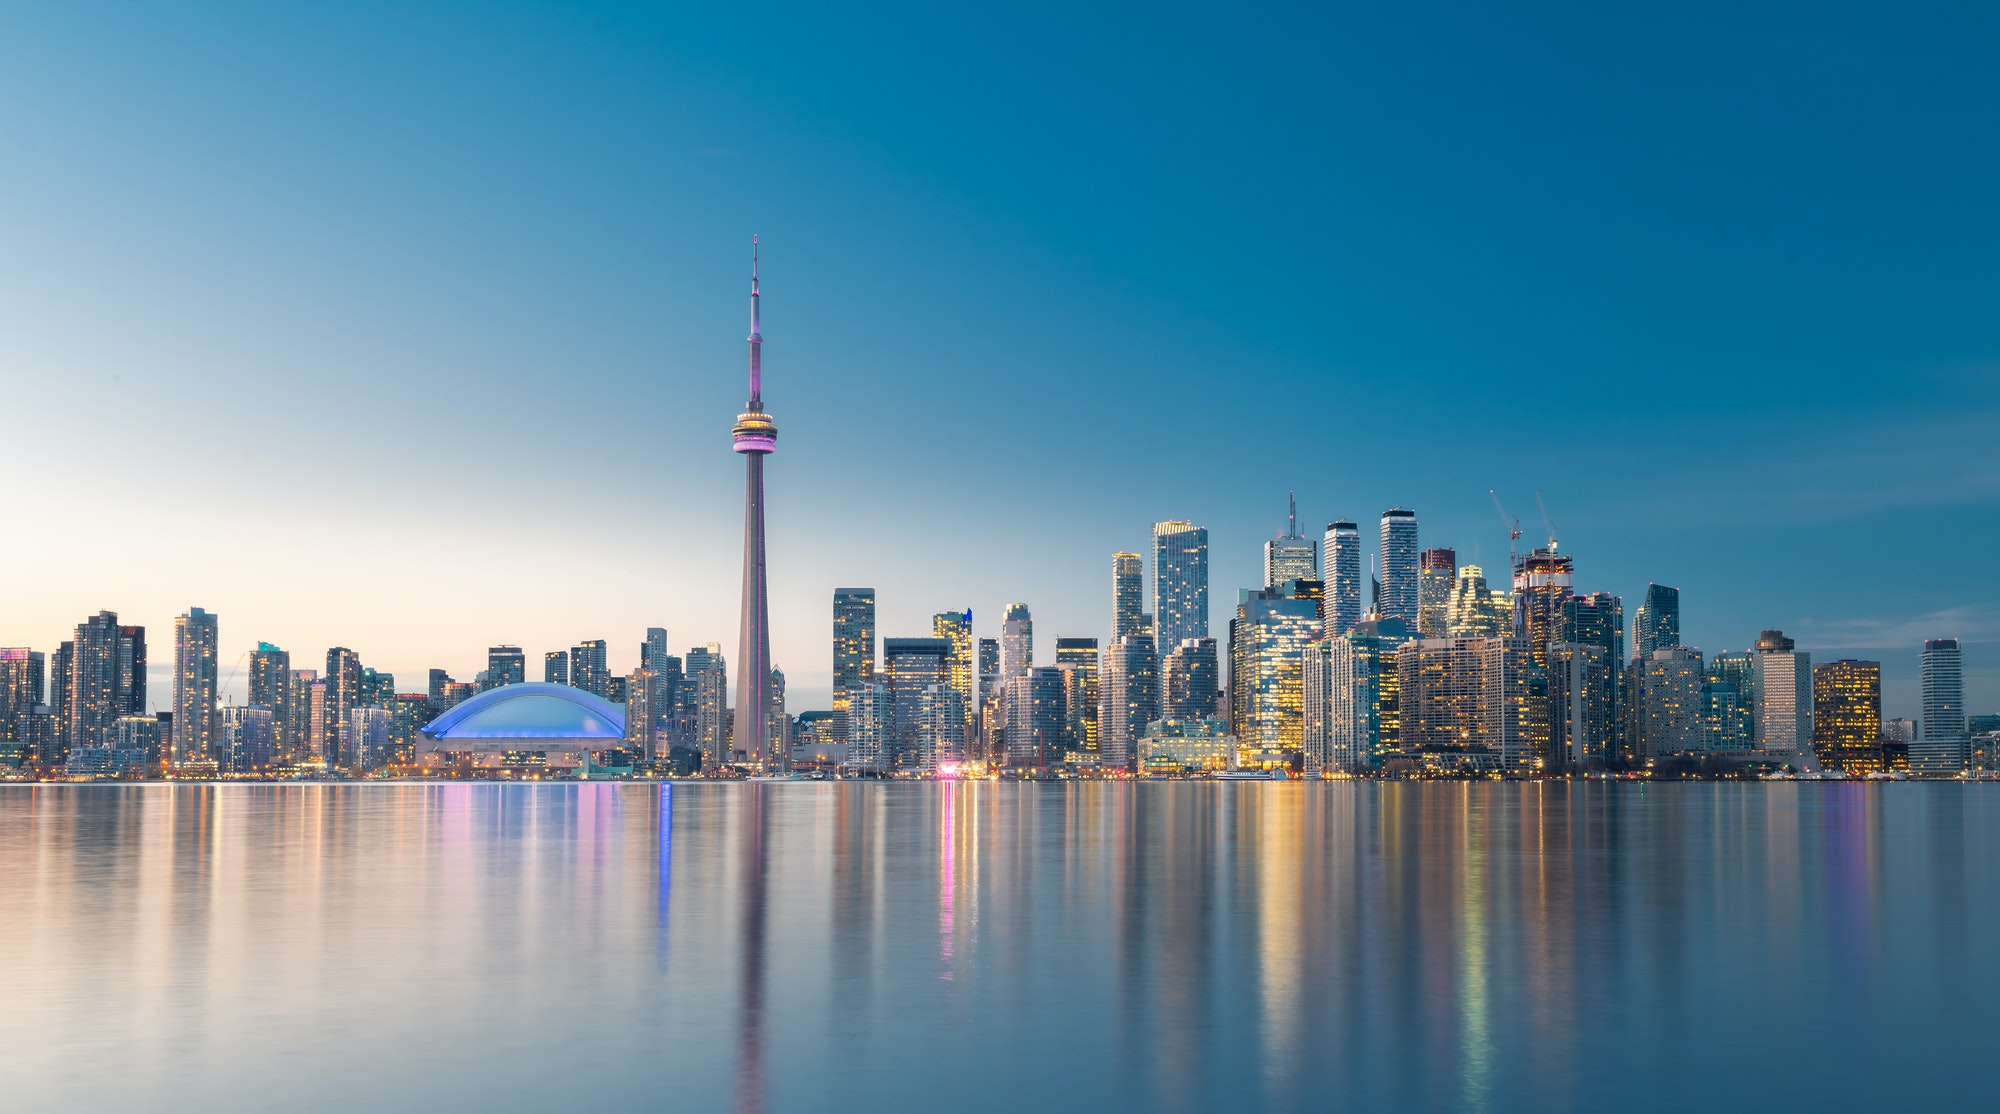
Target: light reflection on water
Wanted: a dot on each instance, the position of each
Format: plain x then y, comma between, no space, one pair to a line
983,947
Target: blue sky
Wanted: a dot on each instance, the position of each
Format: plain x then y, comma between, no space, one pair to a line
415,328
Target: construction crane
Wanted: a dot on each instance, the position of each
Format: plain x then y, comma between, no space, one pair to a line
1545,521
1513,532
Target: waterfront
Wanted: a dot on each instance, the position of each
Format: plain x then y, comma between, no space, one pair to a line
983,946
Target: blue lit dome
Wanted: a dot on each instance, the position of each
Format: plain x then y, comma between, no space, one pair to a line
516,716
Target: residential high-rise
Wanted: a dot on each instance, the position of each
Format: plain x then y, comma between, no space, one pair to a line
1782,677
21,687
1180,582
1128,698
1663,706
643,696
708,680
1437,574
588,668
1339,726
1582,688
1291,556
101,676
1342,576
505,665
195,650
955,627
911,665
1465,701
1474,610
1541,584
1657,623
1942,747
271,687
1597,619
940,728
1035,717
871,716
853,649
986,710
654,652
1128,598
1379,643
132,669
555,670
1847,715
1191,681
1017,642
1078,659
756,437
342,696
1399,565
777,754
1267,641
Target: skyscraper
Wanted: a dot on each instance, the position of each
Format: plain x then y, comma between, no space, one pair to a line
1465,697
1017,642
1291,556
870,721
101,676
1657,623
987,709
1582,683
1128,699
588,669
653,652
911,665
1180,582
1342,576
1437,573
555,669
1942,747
1474,610
271,687
1078,659
342,695
710,705
1191,681
756,437
955,627
505,665
1399,565
1035,717
1337,682
1127,594
853,649
1267,641
1847,715
195,647
1782,677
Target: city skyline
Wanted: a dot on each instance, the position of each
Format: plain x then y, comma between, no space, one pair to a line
436,404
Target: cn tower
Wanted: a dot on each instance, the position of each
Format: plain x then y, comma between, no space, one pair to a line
756,437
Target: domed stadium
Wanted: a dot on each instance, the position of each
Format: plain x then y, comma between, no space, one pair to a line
527,717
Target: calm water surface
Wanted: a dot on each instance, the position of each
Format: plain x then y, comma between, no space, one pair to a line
999,947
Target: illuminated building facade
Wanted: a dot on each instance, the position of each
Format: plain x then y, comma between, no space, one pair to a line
1191,681
1467,699
1583,714
1399,565
99,677
1017,642
1664,704
505,665
955,627
1437,573
1476,611
871,716
1657,623
195,649
1942,746
271,687
911,665
1035,717
1128,594
1267,642
1129,698
755,436
1784,700
1342,576
1379,643
1078,660
555,670
1291,556
1340,719
1847,715
1172,747
588,668
853,649
940,730
1180,582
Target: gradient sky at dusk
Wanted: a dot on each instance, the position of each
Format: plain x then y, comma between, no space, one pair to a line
417,327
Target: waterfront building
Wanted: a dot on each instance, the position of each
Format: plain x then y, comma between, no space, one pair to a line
1342,576
1899,731
1583,713
1664,704
245,738
1399,565
940,728
271,687
521,724
1847,715
1035,717
1782,678
1017,642
1340,725
777,754
1541,584
145,737
710,704
1178,747
1379,643
956,627
910,665
588,668
1129,698
1128,598
1267,641
301,742
1476,611
1942,747
643,697
1657,623
343,695
871,716
853,648
1725,716
22,684
366,737
555,671
1291,556
101,676
1191,681
1078,659
1464,702
1437,573
756,437
1597,619
505,665
1180,582
195,647
990,726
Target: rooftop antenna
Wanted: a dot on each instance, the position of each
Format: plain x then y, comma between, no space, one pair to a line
1292,498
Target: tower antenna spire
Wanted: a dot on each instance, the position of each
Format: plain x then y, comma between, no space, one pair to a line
756,336
1292,501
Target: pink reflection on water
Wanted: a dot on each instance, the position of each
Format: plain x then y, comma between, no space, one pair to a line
945,878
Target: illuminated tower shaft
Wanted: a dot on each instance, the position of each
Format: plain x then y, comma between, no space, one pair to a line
756,437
